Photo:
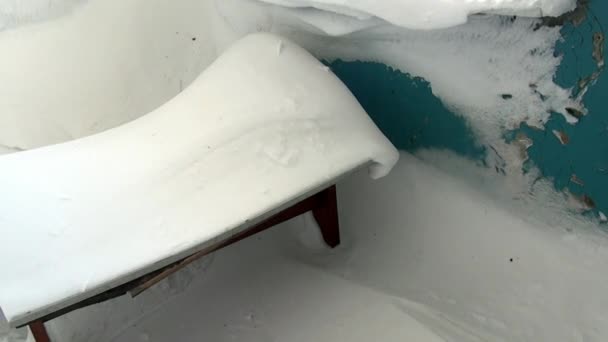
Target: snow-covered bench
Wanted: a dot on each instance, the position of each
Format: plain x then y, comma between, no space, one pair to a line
261,136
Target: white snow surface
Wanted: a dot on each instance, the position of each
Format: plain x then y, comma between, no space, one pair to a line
432,14
401,238
425,256
263,127
17,12
94,76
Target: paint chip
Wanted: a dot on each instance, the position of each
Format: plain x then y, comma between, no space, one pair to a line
598,49
563,138
588,201
574,179
575,112
523,142
581,204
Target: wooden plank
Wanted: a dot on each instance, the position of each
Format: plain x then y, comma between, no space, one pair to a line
327,219
39,331
326,215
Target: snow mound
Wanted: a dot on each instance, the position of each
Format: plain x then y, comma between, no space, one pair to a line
263,127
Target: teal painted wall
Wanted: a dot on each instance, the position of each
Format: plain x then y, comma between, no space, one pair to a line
412,117
406,110
586,155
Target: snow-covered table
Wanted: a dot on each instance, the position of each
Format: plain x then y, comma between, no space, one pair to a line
265,127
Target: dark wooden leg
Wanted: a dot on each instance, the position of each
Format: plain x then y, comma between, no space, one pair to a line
39,331
326,215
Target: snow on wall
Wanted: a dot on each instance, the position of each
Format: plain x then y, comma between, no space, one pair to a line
432,14
18,12
493,71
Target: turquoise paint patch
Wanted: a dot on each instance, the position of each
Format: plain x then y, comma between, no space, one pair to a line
412,117
586,154
406,110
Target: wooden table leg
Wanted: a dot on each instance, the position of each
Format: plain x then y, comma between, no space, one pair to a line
326,215
39,331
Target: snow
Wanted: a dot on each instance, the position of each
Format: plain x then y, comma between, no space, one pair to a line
277,299
407,243
491,55
118,77
432,14
16,12
116,205
469,66
423,252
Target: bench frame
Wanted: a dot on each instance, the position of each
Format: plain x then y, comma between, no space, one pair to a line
323,205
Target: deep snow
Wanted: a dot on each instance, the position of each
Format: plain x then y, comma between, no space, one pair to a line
423,252
109,208
467,254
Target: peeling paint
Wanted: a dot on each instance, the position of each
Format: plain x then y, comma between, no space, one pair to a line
574,179
598,49
563,138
